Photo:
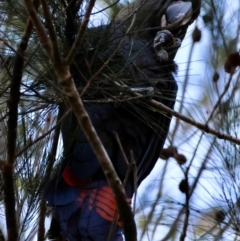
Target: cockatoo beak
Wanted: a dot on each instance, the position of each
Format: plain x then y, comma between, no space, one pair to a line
179,13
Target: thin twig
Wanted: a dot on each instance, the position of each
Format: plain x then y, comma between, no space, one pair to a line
26,60
190,192
202,168
185,224
173,227
135,179
44,135
154,205
52,34
41,222
219,25
133,14
80,33
121,147
221,96
188,196
52,155
129,165
108,60
156,223
200,126
41,32
184,90
8,169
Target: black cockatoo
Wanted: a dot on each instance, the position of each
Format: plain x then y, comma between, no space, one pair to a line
137,54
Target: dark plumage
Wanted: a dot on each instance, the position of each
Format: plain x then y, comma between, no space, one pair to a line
83,202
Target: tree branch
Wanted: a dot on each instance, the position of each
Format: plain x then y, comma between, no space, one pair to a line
8,169
105,162
41,222
69,88
221,96
52,34
80,33
41,32
203,127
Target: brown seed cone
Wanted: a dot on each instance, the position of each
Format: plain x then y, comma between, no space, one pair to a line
220,216
196,35
232,62
183,186
166,153
215,76
181,159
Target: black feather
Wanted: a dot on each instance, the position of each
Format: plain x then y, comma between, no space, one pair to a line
127,62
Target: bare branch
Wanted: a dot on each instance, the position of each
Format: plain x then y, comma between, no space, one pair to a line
184,89
155,203
83,119
203,127
42,34
80,34
52,155
52,34
8,169
41,223
69,88
221,96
